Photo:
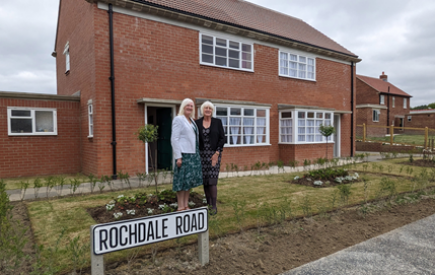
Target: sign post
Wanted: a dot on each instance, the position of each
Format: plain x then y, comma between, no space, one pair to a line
120,235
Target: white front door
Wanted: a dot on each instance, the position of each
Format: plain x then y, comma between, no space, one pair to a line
337,136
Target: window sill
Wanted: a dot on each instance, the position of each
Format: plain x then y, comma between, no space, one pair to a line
291,77
90,137
31,134
304,143
229,68
246,145
67,72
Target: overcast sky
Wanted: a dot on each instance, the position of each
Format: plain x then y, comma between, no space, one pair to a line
394,36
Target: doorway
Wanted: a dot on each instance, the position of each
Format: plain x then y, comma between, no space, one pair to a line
160,152
337,136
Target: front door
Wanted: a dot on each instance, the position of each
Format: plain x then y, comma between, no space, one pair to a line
337,136
164,149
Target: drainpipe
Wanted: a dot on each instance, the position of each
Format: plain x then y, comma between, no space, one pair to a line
112,89
353,109
388,108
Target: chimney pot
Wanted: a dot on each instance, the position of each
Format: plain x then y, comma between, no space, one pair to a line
384,77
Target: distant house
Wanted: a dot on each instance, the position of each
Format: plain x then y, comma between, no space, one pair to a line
421,119
380,103
273,78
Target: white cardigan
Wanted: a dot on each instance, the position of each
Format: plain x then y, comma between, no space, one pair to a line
183,137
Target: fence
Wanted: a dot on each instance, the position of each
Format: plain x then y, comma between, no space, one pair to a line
406,136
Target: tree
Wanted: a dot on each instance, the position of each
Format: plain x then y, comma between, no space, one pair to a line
148,134
326,131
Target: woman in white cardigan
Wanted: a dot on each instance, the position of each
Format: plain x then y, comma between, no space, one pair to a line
185,146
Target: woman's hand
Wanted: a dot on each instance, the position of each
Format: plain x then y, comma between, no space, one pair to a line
179,161
214,159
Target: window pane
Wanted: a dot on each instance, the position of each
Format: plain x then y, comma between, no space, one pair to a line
261,113
221,111
301,74
310,75
246,65
234,63
301,114
302,67
248,112
327,116
261,122
286,114
221,61
293,73
234,45
310,115
236,111
302,59
207,58
246,48
221,52
44,121
21,125
234,54
221,42
246,56
319,115
261,139
207,49
90,109
207,40
283,56
283,71
91,120
293,65
310,61
293,57
21,113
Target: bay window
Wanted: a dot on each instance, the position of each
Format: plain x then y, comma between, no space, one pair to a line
244,125
302,126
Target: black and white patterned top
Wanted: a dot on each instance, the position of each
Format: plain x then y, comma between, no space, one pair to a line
210,173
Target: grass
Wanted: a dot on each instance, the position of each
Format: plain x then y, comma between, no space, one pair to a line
49,217
14,183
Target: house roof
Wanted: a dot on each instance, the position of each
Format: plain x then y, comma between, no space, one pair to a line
251,16
382,86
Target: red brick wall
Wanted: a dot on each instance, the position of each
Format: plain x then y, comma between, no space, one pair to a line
304,151
157,60
76,26
41,155
379,147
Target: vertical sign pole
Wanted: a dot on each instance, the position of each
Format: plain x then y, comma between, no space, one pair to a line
97,261
203,248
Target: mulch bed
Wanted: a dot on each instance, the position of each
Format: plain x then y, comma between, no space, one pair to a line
101,215
420,163
326,183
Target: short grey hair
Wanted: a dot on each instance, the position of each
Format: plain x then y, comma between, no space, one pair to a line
183,105
206,104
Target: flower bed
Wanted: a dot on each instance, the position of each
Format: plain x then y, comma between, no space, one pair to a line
141,205
326,177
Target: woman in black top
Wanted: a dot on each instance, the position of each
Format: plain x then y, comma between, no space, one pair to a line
211,143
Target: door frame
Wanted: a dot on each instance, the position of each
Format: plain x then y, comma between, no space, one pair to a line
173,107
337,142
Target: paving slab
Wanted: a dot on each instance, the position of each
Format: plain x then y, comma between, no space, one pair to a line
407,250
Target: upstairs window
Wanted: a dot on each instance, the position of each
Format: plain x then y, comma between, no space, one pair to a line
409,118
382,99
405,103
226,53
31,121
297,66
376,114
91,118
244,125
394,102
67,59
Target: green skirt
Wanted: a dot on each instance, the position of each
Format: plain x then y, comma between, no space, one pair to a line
189,175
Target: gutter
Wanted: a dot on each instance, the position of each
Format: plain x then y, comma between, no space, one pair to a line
112,90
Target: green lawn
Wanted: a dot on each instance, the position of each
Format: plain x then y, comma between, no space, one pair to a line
261,195
407,139
16,183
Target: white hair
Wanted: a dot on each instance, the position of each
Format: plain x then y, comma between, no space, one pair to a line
183,105
206,104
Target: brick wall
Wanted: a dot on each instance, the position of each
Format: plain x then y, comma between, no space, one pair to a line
379,147
158,60
41,155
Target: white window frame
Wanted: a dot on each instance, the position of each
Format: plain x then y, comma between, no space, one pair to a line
67,58
382,99
227,47
405,103
285,64
409,118
90,119
241,133
378,114
296,124
286,127
394,101
33,118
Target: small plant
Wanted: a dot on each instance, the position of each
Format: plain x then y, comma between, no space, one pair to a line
61,183
141,177
280,165
101,185
23,186
148,134
366,188
326,131
74,185
239,211
306,206
49,184
345,192
117,215
293,163
411,158
227,169
395,154
77,252
387,186
92,181
37,184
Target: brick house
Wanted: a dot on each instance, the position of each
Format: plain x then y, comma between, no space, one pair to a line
421,119
272,77
380,103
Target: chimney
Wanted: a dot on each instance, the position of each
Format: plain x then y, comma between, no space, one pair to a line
384,77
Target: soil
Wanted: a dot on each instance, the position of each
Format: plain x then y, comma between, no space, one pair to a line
420,163
269,250
101,215
310,182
